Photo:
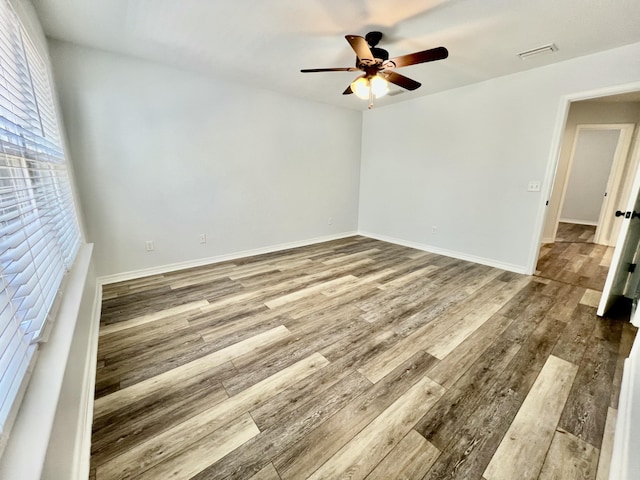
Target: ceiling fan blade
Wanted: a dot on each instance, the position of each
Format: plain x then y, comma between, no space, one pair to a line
348,89
439,53
360,46
401,80
345,69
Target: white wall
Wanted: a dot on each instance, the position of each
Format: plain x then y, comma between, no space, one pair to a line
461,160
165,155
592,161
584,112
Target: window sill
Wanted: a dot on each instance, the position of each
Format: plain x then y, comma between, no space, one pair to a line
26,449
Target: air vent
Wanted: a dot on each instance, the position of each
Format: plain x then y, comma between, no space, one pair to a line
550,48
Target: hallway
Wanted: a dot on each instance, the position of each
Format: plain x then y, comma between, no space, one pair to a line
573,260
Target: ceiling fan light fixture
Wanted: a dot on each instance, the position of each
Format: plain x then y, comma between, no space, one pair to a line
378,69
378,85
361,88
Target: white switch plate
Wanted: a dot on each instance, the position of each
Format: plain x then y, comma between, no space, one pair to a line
534,186
149,245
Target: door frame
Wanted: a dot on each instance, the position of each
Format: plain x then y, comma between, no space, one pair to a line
614,180
554,157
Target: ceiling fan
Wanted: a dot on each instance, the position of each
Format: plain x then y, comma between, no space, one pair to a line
378,68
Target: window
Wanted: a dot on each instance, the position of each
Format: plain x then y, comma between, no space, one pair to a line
39,233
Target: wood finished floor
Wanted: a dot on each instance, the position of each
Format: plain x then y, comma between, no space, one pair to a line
355,359
575,233
573,259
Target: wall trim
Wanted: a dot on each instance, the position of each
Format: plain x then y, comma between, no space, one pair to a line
172,267
82,451
448,253
578,222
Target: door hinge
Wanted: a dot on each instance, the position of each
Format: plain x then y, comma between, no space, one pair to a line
632,267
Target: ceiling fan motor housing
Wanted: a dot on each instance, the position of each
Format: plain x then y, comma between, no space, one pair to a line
372,39
380,53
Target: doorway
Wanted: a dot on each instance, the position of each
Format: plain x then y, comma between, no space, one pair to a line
595,169
593,180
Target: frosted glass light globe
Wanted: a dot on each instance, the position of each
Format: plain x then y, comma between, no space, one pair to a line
379,86
361,88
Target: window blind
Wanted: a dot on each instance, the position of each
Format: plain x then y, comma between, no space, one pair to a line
39,233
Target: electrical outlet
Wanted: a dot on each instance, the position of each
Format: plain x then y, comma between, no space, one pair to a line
149,245
434,229
534,186
330,221
203,238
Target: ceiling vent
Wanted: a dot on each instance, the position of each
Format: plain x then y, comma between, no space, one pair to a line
550,48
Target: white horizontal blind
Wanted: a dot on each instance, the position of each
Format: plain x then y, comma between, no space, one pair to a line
39,234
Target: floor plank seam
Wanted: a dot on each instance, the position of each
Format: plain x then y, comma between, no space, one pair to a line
357,356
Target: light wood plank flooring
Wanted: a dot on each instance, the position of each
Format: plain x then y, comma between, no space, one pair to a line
576,263
575,233
355,359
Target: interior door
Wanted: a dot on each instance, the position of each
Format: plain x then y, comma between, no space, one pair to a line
624,253
589,178
609,225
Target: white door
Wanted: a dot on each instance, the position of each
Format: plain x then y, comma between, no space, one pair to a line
591,166
617,189
624,253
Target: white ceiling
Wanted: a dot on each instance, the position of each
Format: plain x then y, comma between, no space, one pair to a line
267,42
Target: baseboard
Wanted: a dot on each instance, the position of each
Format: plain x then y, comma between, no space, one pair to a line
122,277
548,240
578,222
448,253
82,454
